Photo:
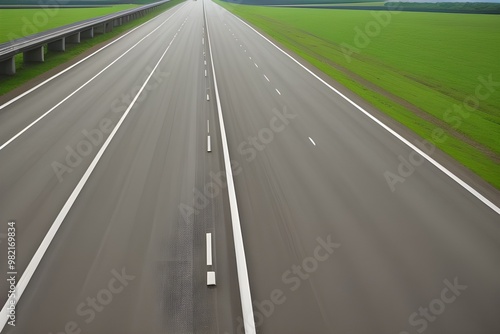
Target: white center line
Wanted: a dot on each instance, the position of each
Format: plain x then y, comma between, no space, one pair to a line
256,65
266,78
208,125
239,249
203,40
209,249
278,91
209,144
208,97
312,141
205,72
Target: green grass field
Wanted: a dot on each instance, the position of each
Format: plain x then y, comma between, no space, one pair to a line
415,69
24,22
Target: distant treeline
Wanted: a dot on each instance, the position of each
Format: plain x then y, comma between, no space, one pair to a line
448,7
63,3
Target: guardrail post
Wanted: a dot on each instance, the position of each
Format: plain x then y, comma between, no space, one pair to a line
59,45
8,66
34,55
89,33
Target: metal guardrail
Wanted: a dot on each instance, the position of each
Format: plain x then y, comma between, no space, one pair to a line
106,23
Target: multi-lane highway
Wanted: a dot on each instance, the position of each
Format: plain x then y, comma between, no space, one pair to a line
115,171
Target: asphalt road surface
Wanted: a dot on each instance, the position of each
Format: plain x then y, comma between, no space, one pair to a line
116,169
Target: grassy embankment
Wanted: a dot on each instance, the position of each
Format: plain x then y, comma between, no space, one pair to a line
14,24
416,69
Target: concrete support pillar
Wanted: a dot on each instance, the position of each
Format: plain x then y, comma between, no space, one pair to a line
73,39
35,55
59,45
87,33
8,66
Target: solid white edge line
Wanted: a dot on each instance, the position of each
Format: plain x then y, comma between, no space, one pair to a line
20,96
209,249
443,169
83,86
209,144
44,245
239,249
